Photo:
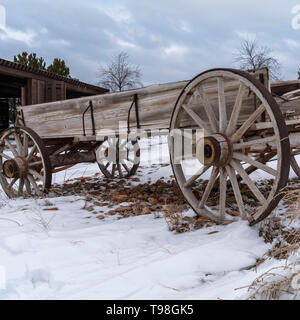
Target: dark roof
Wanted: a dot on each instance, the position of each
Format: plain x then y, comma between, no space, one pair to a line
47,74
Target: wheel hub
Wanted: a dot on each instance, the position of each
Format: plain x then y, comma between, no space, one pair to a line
15,168
214,150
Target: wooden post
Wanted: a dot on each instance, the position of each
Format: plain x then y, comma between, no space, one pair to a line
23,96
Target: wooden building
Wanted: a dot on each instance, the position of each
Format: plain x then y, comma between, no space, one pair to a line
33,86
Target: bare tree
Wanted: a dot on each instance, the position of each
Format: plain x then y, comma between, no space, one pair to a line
252,56
120,74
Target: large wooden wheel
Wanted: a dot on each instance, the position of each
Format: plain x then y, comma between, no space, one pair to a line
219,177
118,158
25,165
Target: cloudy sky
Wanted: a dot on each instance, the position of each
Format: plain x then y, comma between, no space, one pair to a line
169,39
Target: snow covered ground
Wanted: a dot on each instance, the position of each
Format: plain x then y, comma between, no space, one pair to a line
67,254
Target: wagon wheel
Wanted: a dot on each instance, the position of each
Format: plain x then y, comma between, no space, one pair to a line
25,165
207,176
118,158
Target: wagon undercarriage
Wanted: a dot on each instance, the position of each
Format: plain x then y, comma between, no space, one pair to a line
224,126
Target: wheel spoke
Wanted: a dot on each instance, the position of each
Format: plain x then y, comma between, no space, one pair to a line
236,191
239,168
25,144
259,165
27,185
236,111
19,144
31,153
295,165
11,148
243,145
12,183
222,106
209,187
114,167
111,143
196,118
190,181
247,124
123,144
120,171
36,174
126,167
34,164
33,183
223,189
5,156
208,109
21,186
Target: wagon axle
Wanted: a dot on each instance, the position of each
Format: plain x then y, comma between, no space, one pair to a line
15,168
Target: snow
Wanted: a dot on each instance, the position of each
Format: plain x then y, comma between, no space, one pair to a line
64,254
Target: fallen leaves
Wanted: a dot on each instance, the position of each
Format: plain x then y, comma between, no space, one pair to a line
100,204
125,199
141,199
120,198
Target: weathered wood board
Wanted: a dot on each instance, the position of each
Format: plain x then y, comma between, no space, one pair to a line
155,105
64,118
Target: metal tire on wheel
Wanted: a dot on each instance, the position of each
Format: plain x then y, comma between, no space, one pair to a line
25,165
224,105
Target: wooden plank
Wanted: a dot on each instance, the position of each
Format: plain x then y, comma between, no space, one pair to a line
64,118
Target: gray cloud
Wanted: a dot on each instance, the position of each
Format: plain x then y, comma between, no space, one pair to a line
170,40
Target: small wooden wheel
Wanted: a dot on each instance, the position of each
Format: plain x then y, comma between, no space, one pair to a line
118,158
218,177
25,165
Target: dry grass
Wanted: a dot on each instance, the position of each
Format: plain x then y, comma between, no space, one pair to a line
179,223
277,283
281,282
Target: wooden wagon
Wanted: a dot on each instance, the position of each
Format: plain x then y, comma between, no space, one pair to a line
247,125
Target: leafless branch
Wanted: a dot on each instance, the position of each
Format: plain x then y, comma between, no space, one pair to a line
251,56
120,74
